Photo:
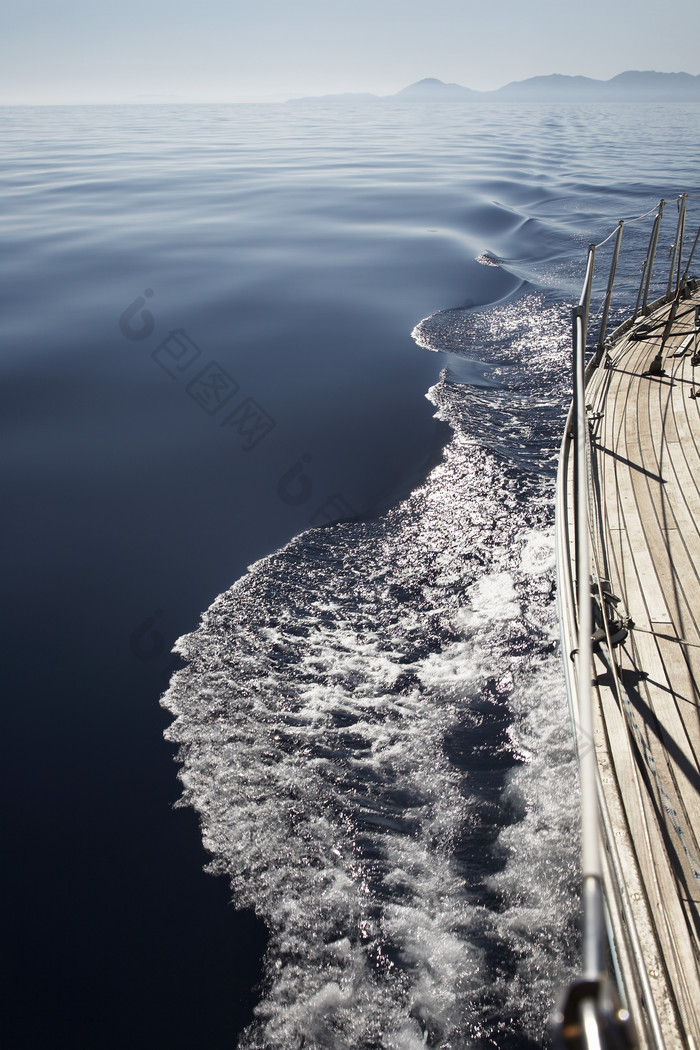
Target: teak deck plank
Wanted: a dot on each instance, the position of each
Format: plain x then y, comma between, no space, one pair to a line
619,770
646,470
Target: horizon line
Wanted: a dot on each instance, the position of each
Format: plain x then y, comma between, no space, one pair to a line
155,99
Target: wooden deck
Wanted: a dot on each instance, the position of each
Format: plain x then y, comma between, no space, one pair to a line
645,502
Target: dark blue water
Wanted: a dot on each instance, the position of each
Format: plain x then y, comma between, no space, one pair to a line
220,326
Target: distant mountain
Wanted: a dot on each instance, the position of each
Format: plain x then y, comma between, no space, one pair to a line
430,88
555,88
631,86
665,86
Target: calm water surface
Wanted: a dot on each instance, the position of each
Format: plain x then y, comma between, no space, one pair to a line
220,327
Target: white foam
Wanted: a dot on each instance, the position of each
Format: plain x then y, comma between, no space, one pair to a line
417,336
318,736
537,556
492,598
540,878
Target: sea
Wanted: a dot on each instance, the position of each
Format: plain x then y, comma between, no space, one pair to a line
287,754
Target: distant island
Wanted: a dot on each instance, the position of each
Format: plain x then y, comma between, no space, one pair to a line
631,86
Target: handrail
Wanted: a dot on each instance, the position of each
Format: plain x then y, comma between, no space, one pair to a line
649,261
585,300
611,282
677,277
677,246
581,1007
589,806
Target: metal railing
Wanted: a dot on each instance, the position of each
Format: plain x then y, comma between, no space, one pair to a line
675,282
592,1016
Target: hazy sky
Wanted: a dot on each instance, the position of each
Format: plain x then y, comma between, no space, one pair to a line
259,50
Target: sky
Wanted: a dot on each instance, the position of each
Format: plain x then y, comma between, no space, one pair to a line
90,51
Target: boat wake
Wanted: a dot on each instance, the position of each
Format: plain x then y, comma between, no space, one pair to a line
374,733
